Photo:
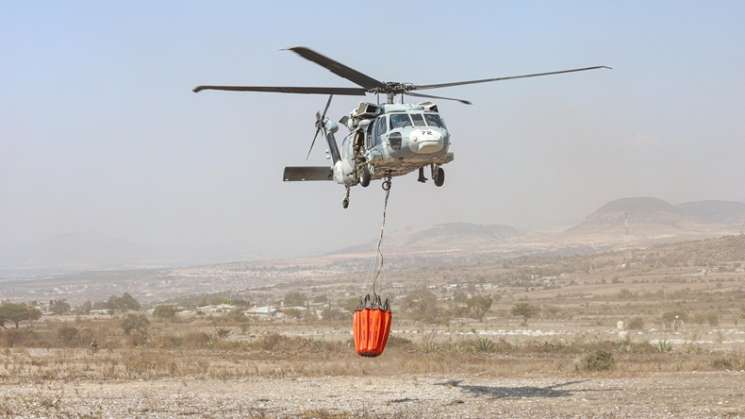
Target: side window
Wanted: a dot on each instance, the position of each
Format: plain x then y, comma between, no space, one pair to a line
380,129
369,139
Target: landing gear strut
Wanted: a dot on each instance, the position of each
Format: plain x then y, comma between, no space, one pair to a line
345,201
421,178
438,174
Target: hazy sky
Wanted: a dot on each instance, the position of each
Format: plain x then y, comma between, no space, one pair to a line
101,133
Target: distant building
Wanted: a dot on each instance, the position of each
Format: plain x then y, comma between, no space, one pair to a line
264,311
217,309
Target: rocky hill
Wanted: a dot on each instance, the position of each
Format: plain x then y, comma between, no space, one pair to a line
654,217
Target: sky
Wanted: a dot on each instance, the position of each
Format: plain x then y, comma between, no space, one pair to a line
102,136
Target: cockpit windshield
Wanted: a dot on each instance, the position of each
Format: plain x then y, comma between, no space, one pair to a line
418,120
399,120
433,120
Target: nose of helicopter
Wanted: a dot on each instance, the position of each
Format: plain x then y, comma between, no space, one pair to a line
425,141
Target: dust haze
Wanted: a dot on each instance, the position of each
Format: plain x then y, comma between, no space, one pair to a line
103,141
586,256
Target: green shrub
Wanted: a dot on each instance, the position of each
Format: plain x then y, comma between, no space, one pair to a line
664,346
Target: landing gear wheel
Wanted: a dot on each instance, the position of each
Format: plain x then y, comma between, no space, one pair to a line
387,185
365,177
439,176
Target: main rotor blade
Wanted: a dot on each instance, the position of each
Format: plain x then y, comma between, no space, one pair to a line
463,101
521,76
338,68
348,91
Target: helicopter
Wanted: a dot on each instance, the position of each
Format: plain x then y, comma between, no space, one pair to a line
384,140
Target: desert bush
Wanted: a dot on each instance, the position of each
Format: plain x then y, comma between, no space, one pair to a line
124,303
635,323
728,362
333,314
68,336
293,313
59,307
674,319
10,338
165,312
237,315
196,340
137,323
148,364
428,343
478,306
279,343
422,305
525,310
711,318
295,298
485,345
84,308
222,333
625,294
597,361
664,346
398,342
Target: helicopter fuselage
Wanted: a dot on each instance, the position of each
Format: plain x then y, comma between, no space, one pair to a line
397,140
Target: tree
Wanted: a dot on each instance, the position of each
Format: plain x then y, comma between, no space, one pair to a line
330,313
135,324
295,299
124,303
84,308
166,312
68,335
16,313
478,306
422,305
524,310
59,307
237,315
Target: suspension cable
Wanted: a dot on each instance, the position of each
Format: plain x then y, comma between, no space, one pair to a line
381,260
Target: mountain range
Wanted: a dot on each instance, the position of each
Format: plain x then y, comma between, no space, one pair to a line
620,222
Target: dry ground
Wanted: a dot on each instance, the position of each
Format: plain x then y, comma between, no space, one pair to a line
709,394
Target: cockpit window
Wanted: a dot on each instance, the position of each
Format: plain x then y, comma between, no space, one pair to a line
433,120
400,120
418,120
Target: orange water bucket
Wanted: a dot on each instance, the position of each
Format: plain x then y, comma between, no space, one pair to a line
371,325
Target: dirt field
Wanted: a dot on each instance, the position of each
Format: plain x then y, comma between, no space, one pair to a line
656,332
654,395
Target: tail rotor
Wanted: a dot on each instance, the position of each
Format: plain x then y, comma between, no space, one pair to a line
320,125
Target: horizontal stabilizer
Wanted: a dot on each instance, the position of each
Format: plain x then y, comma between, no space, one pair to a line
293,174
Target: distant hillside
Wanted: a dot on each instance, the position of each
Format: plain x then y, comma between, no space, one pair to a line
449,236
651,216
76,251
715,212
642,210
454,233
